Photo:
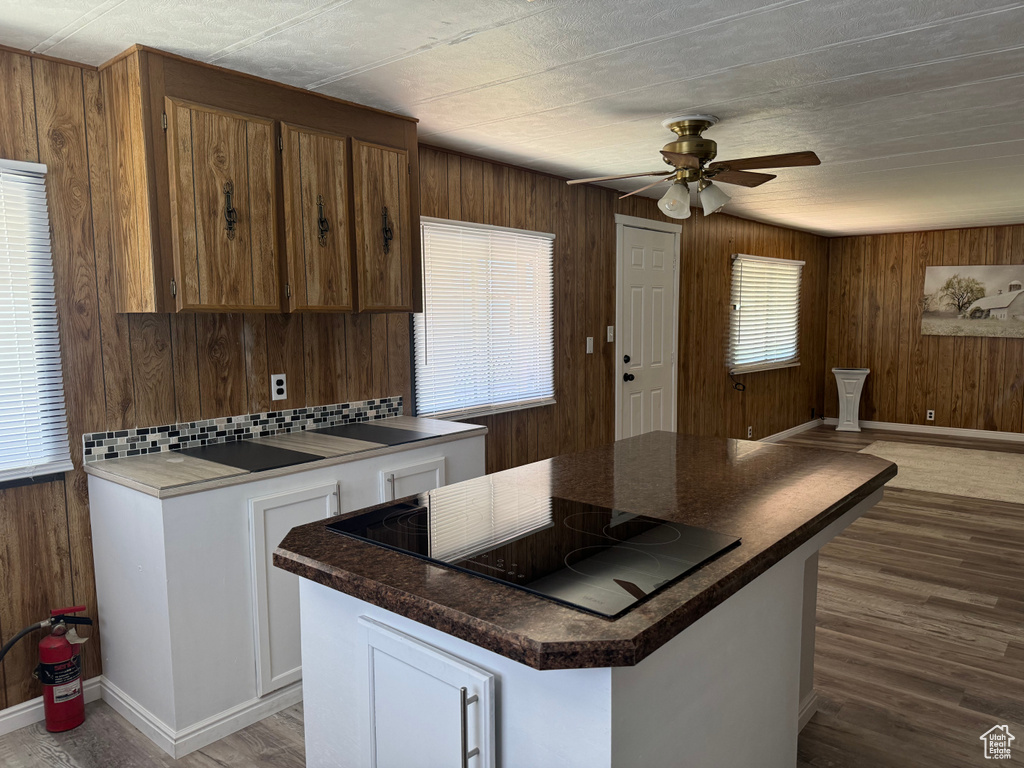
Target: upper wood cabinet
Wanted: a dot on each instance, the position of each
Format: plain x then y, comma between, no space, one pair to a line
223,209
317,212
222,203
383,236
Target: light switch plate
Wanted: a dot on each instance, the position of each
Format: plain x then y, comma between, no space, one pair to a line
611,333
590,345
278,386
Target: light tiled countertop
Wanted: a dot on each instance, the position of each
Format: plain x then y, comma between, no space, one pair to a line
169,473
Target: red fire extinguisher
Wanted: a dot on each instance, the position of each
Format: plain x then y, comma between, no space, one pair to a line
60,667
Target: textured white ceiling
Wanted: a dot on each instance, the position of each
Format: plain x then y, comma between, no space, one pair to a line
915,107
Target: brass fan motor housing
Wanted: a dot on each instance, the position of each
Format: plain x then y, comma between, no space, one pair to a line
689,141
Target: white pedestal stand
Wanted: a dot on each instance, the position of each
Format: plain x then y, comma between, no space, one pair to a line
850,382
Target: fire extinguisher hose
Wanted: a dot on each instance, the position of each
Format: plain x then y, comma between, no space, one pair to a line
27,630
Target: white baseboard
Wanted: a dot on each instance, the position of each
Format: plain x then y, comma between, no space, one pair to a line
924,429
31,711
807,709
779,436
180,743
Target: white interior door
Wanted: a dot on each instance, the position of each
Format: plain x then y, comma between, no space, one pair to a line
648,318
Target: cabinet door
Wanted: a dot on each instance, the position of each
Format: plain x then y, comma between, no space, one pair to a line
426,707
399,482
383,248
316,205
223,209
276,592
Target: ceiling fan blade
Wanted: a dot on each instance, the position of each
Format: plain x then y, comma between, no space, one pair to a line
635,191
743,178
621,176
679,160
788,160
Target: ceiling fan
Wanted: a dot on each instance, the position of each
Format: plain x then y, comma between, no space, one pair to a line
691,156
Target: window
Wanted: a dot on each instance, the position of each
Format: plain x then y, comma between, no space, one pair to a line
484,342
764,331
33,428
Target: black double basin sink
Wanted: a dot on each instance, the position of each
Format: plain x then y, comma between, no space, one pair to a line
258,457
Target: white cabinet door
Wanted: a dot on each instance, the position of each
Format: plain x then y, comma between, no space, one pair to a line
426,708
276,592
398,482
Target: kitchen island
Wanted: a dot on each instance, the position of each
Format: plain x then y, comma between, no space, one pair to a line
415,663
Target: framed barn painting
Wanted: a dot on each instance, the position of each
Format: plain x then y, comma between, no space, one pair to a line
974,301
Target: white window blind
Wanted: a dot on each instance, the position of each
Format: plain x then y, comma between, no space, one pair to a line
480,516
764,331
484,342
33,427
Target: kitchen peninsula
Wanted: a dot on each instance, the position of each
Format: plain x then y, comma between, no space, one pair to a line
413,663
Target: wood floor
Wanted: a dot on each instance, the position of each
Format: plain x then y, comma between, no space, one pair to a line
920,646
920,640
106,740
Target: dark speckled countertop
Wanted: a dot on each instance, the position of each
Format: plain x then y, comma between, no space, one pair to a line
774,497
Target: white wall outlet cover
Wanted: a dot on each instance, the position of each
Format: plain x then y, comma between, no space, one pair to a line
590,345
750,432
930,416
278,386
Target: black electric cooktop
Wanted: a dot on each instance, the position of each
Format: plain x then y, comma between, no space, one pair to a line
374,433
245,454
591,558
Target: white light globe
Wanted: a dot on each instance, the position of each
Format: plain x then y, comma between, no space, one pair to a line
676,202
712,199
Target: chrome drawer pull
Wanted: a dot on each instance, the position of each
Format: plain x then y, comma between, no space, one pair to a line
466,701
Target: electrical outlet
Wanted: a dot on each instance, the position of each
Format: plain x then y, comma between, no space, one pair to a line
590,345
611,333
278,386
750,432
930,416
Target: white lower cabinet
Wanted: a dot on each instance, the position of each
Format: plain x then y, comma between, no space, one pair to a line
409,479
425,708
275,592
194,574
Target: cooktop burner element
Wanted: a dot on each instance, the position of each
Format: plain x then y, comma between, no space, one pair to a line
592,558
245,454
375,433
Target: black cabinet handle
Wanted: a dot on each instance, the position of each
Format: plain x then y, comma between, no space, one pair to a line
385,230
628,377
230,214
321,221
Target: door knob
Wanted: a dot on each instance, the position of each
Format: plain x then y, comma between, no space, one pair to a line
625,358
628,377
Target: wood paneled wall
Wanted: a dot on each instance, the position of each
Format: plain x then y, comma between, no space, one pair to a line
582,217
876,284
138,370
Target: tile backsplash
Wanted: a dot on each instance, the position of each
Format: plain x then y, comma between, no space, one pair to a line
98,446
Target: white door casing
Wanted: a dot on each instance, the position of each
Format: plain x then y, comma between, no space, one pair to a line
275,592
647,321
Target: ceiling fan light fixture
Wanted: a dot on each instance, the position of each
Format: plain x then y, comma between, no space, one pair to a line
712,199
675,203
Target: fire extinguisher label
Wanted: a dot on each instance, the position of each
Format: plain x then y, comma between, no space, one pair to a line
67,692
62,672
